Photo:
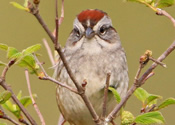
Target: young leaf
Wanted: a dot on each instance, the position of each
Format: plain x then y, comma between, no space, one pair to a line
2,64
152,98
116,94
26,3
16,56
17,5
31,49
141,94
11,52
150,118
165,3
19,95
29,62
27,100
166,103
3,46
9,106
126,118
5,96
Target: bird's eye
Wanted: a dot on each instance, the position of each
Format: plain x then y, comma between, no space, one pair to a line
77,32
103,30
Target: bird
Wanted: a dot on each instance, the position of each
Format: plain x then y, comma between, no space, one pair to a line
93,49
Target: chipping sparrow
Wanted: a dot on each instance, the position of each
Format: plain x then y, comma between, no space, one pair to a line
92,50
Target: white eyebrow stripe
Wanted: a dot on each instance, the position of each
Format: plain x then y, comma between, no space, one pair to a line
88,23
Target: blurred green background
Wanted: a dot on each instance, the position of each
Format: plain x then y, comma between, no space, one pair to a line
139,28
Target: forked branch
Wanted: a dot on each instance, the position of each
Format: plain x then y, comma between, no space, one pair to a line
139,82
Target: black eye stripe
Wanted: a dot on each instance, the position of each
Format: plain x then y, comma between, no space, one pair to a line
103,29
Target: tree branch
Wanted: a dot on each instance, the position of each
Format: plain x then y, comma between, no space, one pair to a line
139,83
49,52
164,13
33,101
105,95
5,116
6,87
59,50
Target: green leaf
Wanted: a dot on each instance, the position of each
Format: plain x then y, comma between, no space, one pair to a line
9,106
26,3
17,5
152,98
31,49
116,94
29,62
126,118
5,96
2,64
16,56
150,118
19,95
141,94
27,100
166,103
3,46
164,3
11,52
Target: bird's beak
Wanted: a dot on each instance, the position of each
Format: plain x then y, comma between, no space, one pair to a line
89,33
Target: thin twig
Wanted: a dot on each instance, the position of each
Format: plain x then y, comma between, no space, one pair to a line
150,75
59,83
139,83
158,62
138,73
62,13
61,120
28,116
7,87
42,68
59,50
47,77
5,116
49,52
4,72
33,101
164,13
105,96
57,25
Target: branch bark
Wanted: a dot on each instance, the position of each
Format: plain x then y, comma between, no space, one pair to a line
81,91
33,101
139,82
7,87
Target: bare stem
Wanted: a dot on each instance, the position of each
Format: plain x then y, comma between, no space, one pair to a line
49,52
33,101
5,116
158,62
138,73
47,77
105,95
7,87
59,50
28,116
61,120
4,72
164,13
139,82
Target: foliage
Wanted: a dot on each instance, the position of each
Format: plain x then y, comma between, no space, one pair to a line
23,59
149,116
155,4
13,108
